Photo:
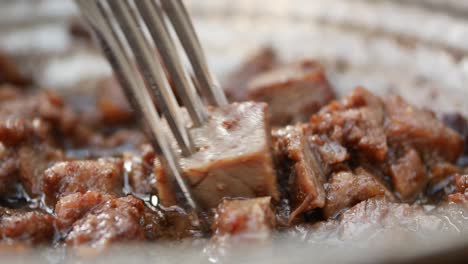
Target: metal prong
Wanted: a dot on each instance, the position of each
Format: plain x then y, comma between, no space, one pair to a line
133,85
183,26
154,18
152,72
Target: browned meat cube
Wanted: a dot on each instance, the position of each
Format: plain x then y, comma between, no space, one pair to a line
293,92
103,175
112,102
355,122
26,116
253,218
235,85
346,189
72,207
408,175
234,155
422,129
116,220
306,175
26,226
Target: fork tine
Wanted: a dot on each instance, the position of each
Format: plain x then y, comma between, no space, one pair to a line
154,18
152,72
180,19
133,86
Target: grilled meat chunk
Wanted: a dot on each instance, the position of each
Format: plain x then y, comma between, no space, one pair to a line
26,226
234,155
235,85
293,92
305,173
345,189
103,175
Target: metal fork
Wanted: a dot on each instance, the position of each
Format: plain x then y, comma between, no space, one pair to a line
130,32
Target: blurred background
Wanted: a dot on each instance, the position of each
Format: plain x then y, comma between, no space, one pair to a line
414,47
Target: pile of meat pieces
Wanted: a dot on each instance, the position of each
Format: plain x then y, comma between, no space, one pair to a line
361,147
83,175
50,194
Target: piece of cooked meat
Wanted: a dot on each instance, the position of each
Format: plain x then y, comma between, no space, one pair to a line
421,129
408,175
72,207
345,189
248,218
102,175
306,175
355,122
234,155
293,92
235,85
115,220
112,103
31,227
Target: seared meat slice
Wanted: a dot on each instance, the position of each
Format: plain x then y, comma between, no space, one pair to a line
408,175
234,155
345,189
235,84
112,102
421,129
73,207
250,218
293,92
461,194
32,227
306,175
355,122
115,220
102,175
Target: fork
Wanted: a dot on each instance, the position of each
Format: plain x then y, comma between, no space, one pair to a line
129,33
